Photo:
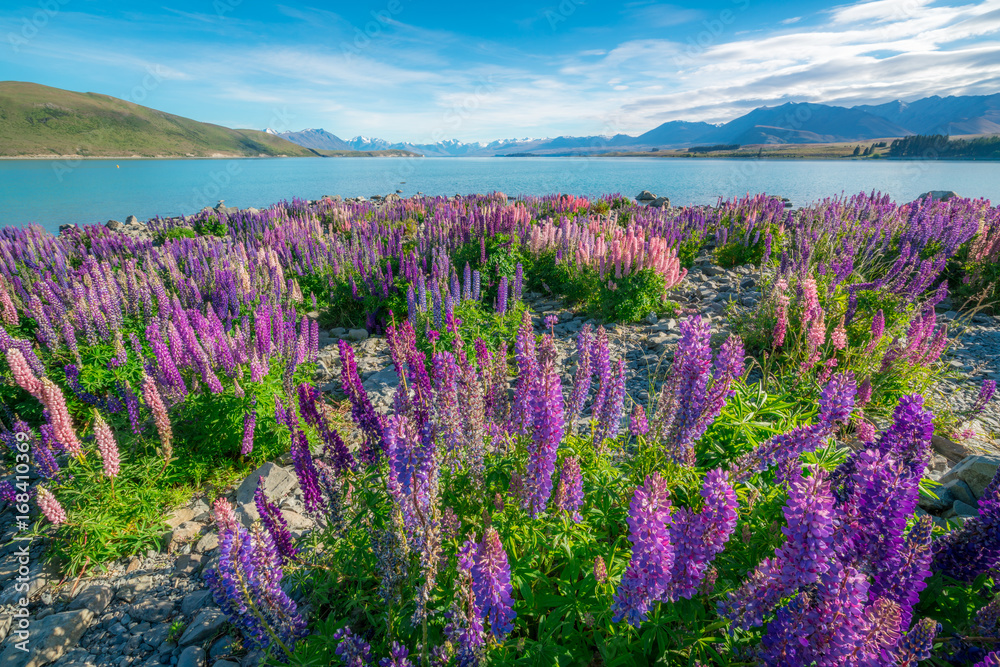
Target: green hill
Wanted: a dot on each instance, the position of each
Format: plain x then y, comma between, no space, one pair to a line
40,121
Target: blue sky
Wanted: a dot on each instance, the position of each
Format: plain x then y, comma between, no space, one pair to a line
425,71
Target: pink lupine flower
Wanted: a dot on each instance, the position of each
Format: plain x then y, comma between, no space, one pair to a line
781,326
7,310
23,374
160,418
50,507
225,517
62,425
106,447
839,335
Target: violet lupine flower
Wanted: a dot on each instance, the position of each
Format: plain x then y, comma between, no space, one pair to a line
249,425
160,418
491,585
986,392
638,424
362,411
547,409
399,655
610,418
62,425
446,404
649,569
551,320
305,471
526,356
581,380
864,393
518,281
569,494
966,553
413,474
600,362
106,447
465,625
50,507
23,375
916,644
992,659
698,538
902,576
502,296
274,522
42,456
800,561
246,584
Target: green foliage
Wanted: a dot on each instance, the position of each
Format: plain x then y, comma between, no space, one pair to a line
210,226
176,233
635,296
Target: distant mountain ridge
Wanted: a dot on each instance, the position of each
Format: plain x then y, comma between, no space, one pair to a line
790,123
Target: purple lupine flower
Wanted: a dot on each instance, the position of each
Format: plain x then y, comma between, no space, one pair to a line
638,424
274,522
600,361
518,281
877,331
413,474
902,576
491,584
649,569
399,655
351,648
502,296
581,380
610,418
992,659
526,356
411,305
246,584
547,410
966,553
465,626
916,644
698,538
837,399
446,404
800,561
336,450
986,392
362,411
569,494
600,570
305,471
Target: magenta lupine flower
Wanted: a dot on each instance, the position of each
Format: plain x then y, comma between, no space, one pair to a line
448,419
902,576
305,471
547,411
50,507
581,380
992,659
160,418
551,320
274,522
569,494
399,655
986,392
526,356
649,569
23,375
638,425
600,361
864,393
106,447
62,425
698,538
362,411
610,417
600,570
491,585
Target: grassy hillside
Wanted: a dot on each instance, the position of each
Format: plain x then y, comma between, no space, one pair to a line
41,121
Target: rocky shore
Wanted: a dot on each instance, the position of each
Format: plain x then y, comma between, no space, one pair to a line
154,609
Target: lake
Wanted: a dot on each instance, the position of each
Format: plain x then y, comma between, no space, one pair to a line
53,192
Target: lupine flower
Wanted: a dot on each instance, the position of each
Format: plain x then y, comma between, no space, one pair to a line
839,336
246,585
502,296
966,553
491,584
106,447
638,425
50,507
581,381
569,494
274,522
986,392
992,659
600,571
781,326
547,408
62,425
225,517
465,626
916,645
877,331
551,320
160,418
648,573
249,425
362,411
305,471
23,375
399,655
610,416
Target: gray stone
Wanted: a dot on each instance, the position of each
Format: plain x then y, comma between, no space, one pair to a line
960,491
192,656
78,657
151,610
660,202
95,597
207,543
645,195
339,332
195,601
131,220
222,646
205,626
357,334
225,663
939,195
179,516
976,471
189,564
113,225
961,510
184,533
51,638
39,577
945,499
278,483
157,635
651,319
252,659
953,451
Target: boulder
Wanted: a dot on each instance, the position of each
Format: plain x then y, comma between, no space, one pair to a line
51,638
661,202
945,499
976,471
192,656
278,483
357,335
645,195
113,225
205,626
960,491
193,602
152,610
952,451
95,597
131,220
939,195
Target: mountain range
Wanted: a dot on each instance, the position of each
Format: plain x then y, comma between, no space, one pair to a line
791,123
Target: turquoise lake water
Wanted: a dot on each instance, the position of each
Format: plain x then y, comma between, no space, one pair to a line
51,193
